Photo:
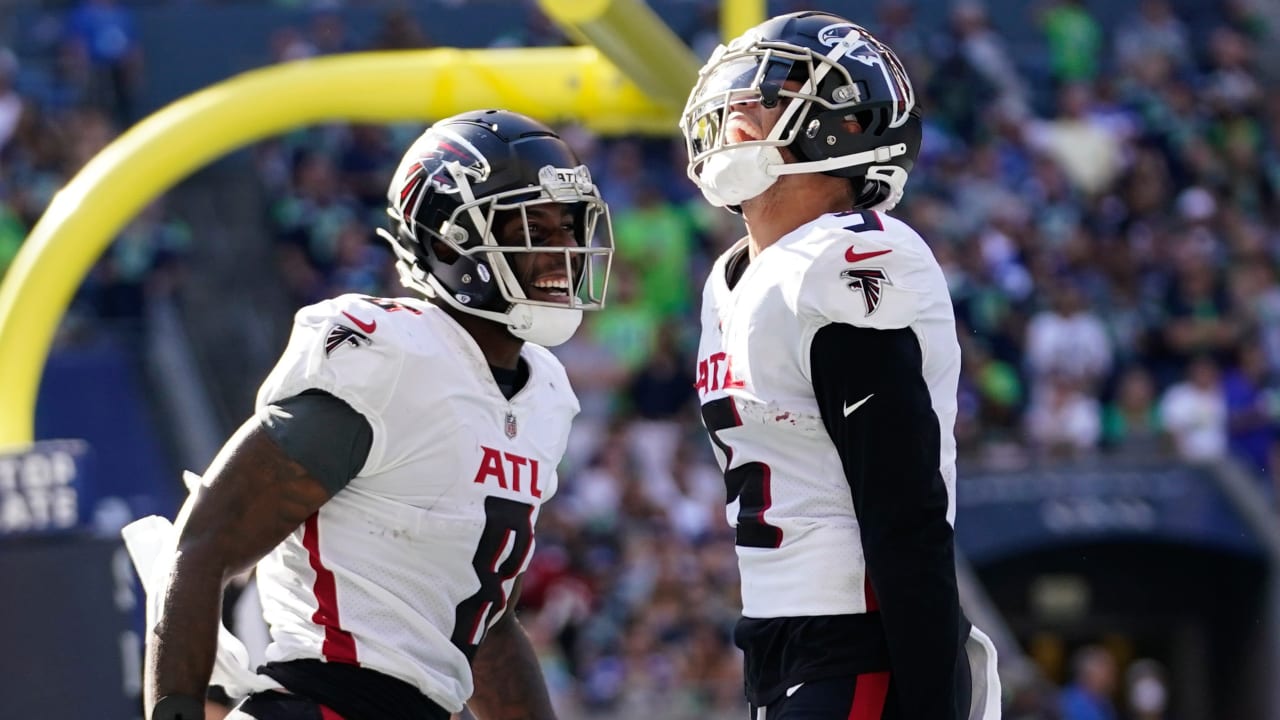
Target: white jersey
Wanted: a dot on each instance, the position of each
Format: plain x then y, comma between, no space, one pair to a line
405,568
798,542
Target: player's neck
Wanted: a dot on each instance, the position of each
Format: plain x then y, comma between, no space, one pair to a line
500,348
793,201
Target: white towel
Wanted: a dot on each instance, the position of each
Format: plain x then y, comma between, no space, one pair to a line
985,704
151,542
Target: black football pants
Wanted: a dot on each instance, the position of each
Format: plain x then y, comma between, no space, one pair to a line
868,696
272,705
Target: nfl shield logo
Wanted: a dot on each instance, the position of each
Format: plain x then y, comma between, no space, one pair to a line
510,425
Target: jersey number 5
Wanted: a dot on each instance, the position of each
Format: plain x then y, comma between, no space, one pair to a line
504,545
747,483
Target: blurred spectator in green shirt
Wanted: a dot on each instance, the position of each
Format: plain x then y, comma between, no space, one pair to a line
656,238
1075,41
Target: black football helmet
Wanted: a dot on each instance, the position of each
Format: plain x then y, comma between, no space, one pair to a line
844,73
460,176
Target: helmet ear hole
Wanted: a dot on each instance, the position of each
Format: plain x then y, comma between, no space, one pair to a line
443,252
875,121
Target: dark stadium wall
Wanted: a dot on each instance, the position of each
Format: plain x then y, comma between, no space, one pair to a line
70,616
1198,611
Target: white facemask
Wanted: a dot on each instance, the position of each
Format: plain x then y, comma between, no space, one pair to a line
737,173
542,325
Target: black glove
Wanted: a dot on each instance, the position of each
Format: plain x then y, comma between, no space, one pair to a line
178,707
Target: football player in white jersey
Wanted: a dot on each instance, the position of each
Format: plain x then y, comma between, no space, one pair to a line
388,485
827,373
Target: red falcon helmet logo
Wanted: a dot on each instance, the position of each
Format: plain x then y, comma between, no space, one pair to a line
868,281
433,170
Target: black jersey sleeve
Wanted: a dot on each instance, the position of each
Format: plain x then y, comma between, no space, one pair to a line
876,406
322,433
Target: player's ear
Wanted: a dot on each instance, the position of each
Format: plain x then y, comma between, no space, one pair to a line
445,253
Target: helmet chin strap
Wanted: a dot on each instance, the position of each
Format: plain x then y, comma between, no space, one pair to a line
737,173
547,326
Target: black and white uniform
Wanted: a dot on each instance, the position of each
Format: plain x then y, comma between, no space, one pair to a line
827,372
378,602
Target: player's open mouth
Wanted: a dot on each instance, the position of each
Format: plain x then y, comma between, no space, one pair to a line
552,287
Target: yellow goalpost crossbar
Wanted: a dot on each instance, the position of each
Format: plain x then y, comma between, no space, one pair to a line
553,84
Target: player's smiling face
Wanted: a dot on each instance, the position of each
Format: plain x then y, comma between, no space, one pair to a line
544,276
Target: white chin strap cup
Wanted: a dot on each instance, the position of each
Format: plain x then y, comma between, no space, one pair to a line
541,325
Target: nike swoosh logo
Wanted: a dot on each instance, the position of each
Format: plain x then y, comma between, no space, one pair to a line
792,690
848,409
365,326
854,257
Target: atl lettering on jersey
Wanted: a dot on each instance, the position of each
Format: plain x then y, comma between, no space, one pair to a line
715,372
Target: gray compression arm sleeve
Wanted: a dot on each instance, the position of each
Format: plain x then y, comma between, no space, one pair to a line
322,434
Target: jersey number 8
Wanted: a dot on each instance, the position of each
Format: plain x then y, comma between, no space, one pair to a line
504,545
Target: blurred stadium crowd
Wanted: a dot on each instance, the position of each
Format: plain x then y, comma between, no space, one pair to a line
1107,212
